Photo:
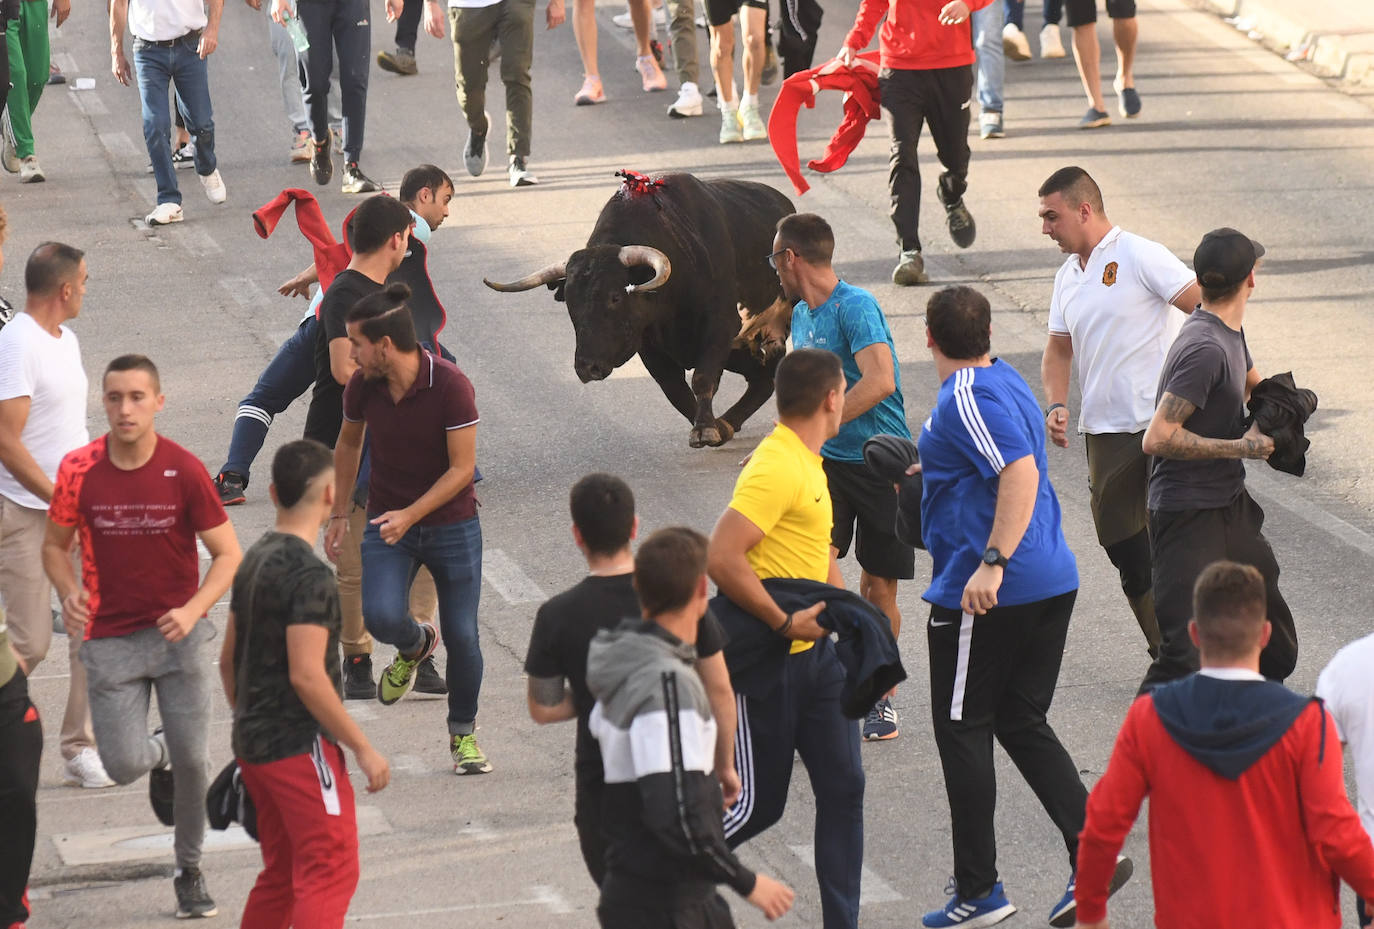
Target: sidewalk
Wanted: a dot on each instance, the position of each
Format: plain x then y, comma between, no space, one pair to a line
1336,37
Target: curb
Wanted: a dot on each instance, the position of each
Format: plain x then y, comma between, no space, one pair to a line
1346,55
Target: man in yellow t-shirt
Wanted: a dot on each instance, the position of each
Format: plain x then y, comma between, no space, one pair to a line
778,525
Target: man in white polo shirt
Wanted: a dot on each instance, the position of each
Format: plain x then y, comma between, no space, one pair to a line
1114,309
172,39
42,418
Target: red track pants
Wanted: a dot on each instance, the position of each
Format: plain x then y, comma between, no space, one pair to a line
308,831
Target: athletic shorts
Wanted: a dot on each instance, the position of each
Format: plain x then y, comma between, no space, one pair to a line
1119,483
718,12
865,512
1082,12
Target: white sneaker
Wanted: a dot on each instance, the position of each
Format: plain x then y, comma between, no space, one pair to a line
751,123
1050,44
1015,45
30,172
164,214
215,190
729,126
688,102
624,21
85,770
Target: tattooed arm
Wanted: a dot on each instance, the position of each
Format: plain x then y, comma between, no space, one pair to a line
1166,437
550,700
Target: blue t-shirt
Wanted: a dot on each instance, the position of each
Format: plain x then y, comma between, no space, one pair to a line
848,321
984,419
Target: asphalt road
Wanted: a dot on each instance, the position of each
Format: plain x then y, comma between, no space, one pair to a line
1230,135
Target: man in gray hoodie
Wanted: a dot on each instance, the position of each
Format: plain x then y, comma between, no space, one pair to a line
661,815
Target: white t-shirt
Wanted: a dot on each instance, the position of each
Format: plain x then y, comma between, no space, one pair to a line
48,371
471,4
160,20
1119,313
1347,686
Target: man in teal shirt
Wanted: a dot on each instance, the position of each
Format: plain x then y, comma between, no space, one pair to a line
844,319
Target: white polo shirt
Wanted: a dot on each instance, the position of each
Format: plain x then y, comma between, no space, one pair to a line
160,20
1347,686
1119,312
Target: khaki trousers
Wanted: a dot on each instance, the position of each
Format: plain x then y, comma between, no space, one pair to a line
28,605
424,600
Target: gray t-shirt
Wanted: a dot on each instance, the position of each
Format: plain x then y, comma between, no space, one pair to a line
1206,366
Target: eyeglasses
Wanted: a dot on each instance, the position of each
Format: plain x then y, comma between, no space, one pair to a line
773,258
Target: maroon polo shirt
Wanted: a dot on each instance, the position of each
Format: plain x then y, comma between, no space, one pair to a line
409,439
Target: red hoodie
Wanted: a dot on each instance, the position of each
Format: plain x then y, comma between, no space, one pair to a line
1266,848
913,38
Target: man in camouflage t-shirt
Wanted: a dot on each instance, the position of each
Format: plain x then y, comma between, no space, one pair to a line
280,667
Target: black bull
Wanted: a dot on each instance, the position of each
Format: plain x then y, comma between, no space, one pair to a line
665,274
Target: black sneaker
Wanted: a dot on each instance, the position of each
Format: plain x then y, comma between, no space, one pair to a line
962,229
321,164
193,900
357,678
428,680
475,152
356,182
231,486
161,786
1094,119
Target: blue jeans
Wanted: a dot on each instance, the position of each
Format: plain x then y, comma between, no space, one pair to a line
992,65
288,375
453,555
157,66
1016,12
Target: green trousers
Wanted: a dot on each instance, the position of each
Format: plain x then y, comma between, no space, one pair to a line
27,38
511,23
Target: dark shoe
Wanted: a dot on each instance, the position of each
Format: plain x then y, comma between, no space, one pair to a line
357,678
770,63
193,900
520,174
321,164
231,487
962,229
1094,119
475,152
161,786
356,182
428,680
910,270
401,61
1128,101
656,49
881,722
1066,910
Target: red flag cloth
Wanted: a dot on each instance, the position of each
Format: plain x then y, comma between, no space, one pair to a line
861,104
331,255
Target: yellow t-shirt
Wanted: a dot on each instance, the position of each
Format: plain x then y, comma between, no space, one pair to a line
783,491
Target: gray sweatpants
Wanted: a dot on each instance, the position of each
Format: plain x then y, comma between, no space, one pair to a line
121,673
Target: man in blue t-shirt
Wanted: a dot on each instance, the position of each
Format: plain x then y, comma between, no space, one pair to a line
839,317
1003,583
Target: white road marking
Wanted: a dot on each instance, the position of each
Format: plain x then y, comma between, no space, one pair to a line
513,584
634,368
65,63
1274,492
196,240
89,102
119,143
873,888
247,294
361,712
541,895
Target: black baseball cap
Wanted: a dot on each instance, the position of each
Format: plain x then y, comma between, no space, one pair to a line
1225,257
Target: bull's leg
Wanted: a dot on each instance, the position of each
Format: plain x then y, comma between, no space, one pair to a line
758,388
672,380
706,429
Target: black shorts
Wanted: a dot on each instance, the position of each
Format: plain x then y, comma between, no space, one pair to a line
1082,12
718,12
859,498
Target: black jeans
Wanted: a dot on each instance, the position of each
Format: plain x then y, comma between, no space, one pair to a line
587,819
1184,542
345,26
911,99
993,676
408,24
21,745
798,28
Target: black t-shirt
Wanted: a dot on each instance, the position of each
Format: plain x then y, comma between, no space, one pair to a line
563,629
1207,366
280,583
325,417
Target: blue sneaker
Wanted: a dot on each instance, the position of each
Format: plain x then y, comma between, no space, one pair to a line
970,913
1065,912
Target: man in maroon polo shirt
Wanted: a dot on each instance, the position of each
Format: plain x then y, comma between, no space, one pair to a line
420,413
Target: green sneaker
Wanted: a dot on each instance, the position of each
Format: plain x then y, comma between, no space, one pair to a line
467,757
399,676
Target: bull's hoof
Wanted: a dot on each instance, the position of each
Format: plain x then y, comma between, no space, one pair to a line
727,432
705,435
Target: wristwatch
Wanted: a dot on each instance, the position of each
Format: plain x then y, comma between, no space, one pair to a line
992,556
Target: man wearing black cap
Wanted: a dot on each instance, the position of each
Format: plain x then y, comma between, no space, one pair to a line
1200,511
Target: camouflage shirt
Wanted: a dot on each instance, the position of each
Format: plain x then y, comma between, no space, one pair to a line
279,583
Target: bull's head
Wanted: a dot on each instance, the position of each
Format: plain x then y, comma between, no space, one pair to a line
602,285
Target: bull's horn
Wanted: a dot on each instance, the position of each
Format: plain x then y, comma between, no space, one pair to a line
632,255
554,272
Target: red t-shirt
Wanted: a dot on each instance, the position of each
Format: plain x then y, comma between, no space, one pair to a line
409,439
138,531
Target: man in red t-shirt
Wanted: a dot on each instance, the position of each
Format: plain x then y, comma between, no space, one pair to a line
1249,821
420,415
139,502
